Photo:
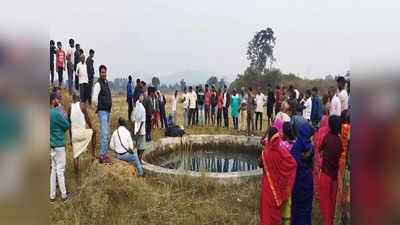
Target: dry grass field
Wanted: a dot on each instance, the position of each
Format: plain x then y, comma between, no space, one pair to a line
111,195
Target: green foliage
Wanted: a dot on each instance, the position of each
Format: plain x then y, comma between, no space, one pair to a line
255,78
261,49
183,84
155,81
213,80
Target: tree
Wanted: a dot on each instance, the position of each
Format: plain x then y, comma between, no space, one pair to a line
329,78
155,82
183,84
212,81
222,83
261,49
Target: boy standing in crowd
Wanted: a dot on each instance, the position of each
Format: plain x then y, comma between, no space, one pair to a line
90,71
225,106
81,71
70,64
52,53
207,102
58,126
270,104
60,58
129,97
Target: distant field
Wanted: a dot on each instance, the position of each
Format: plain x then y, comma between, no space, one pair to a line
114,196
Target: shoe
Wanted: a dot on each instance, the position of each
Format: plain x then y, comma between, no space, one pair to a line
106,160
66,199
52,200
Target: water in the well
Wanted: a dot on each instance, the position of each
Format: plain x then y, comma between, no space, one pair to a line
210,160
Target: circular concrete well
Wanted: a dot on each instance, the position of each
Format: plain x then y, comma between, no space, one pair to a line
222,158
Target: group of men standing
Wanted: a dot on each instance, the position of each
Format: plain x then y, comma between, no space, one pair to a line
205,107
73,60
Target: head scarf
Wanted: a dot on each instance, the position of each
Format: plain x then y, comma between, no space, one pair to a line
280,169
303,142
279,125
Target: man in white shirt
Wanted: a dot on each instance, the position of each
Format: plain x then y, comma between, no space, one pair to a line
139,129
185,101
81,72
122,143
335,103
307,106
343,96
70,64
173,107
260,102
192,106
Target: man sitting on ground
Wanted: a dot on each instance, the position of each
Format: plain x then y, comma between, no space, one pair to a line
122,143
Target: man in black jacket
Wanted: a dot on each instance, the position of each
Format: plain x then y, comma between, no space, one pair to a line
102,99
226,103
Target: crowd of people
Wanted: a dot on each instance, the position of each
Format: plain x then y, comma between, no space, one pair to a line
295,168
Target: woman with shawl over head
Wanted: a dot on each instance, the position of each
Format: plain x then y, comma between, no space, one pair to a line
318,137
279,173
303,188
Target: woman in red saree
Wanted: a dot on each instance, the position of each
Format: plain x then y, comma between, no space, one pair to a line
277,181
318,137
344,136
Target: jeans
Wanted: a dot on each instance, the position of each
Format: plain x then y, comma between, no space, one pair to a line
60,71
132,159
173,115
130,108
104,118
163,118
57,156
84,92
76,82
259,116
201,114
226,118
219,117
235,122
192,117
185,117
52,72
148,128
207,114
250,122
90,90
70,79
